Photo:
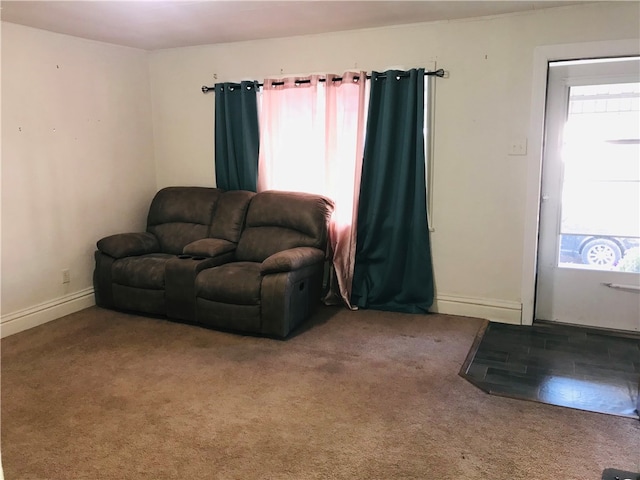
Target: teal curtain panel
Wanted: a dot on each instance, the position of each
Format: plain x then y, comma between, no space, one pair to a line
393,268
236,136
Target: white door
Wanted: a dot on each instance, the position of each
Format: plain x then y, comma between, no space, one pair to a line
589,245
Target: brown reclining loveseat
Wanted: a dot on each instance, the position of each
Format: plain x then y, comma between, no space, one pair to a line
232,260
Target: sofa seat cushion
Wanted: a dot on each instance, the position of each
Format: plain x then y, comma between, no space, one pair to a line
144,271
235,283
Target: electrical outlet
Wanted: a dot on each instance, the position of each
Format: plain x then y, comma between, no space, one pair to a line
66,276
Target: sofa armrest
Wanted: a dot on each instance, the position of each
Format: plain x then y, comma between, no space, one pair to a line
129,244
209,247
291,259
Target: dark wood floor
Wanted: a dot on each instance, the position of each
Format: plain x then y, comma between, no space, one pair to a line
613,474
562,365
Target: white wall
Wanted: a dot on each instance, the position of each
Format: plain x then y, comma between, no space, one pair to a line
77,164
479,190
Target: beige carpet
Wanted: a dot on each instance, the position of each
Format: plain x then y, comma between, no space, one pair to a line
356,395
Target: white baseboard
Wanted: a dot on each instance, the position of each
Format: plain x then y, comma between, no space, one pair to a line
21,320
488,309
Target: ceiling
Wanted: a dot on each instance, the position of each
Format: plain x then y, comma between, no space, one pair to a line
157,24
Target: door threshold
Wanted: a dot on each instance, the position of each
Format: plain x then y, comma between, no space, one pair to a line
588,328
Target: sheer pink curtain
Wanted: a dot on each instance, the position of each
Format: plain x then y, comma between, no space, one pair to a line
312,140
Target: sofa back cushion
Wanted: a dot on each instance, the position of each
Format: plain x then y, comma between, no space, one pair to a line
278,221
181,215
230,214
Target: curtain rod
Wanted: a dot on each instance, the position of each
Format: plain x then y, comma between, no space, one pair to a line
436,73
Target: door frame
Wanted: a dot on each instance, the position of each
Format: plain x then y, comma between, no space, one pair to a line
541,57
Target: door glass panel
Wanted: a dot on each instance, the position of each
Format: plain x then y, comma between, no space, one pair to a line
600,211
